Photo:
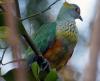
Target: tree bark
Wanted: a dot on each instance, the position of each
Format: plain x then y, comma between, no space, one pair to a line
11,22
91,70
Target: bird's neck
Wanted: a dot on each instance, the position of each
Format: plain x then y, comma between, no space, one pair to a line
64,19
65,23
66,30
65,26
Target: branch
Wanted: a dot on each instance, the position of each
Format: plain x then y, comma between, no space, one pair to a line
33,15
18,60
91,69
11,21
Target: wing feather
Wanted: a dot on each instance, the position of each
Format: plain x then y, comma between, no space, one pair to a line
45,36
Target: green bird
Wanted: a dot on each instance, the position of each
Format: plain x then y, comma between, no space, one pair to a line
57,40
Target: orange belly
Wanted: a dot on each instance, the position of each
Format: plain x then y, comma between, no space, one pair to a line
57,55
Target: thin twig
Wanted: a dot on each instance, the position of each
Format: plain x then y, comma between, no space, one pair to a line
13,61
3,54
38,13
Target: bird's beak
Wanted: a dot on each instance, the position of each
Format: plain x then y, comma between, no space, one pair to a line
80,18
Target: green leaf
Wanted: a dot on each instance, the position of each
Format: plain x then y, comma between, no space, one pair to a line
52,76
36,70
2,32
42,75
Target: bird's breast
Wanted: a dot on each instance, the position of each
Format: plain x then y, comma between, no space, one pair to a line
58,55
68,32
63,47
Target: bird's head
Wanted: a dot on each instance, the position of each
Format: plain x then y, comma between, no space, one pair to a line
70,10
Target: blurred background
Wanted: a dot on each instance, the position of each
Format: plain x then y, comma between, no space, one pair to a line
77,63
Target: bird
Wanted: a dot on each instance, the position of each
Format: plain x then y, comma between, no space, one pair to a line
57,40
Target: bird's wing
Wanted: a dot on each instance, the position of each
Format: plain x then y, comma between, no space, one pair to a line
45,36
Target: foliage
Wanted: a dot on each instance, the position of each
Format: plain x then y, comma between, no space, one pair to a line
34,75
36,70
51,76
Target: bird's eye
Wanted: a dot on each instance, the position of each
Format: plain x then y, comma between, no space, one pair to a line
77,10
